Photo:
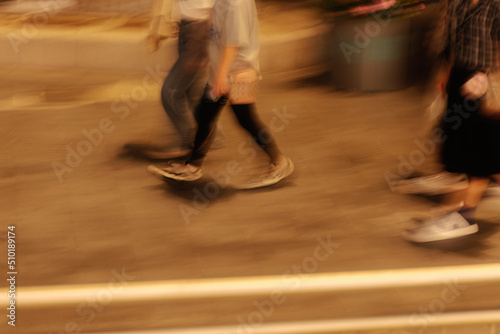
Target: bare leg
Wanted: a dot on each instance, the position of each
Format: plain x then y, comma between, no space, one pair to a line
455,199
475,191
465,199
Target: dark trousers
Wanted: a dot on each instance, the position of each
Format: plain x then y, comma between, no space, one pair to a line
207,114
189,67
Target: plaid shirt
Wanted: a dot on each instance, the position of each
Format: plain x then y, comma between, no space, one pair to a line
474,34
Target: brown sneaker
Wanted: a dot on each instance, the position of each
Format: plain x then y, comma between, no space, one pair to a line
272,176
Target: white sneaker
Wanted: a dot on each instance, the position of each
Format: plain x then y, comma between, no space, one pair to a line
435,184
450,226
176,171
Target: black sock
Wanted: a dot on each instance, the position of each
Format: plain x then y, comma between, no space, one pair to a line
469,214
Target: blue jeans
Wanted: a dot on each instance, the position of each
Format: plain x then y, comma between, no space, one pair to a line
189,68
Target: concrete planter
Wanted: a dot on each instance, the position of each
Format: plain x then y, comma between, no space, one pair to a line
371,53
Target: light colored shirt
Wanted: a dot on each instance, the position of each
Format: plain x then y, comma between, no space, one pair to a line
195,9
234,24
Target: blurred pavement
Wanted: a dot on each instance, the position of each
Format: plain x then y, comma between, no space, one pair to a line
85,209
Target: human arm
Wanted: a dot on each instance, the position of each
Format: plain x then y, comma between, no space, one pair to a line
221,85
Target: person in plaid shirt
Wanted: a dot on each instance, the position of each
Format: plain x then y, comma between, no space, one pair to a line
471,141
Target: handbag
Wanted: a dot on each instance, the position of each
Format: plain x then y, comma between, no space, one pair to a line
490,103
244,86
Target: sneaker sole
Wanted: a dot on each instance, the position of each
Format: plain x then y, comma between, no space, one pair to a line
463,232
409,189
268,182
162,174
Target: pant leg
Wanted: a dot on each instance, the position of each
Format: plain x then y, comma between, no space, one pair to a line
207,114
250,121
190,65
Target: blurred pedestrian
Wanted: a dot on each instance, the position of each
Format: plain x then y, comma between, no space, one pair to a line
233,76
190,21
471,140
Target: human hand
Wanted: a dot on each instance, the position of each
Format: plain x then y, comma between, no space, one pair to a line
476,87
221,86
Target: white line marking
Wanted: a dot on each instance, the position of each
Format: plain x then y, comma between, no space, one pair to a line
263,285
339,326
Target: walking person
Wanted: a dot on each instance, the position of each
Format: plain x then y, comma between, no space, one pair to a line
190,21
471,140
233,76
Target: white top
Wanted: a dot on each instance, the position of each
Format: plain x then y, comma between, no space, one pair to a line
234,23
195,9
